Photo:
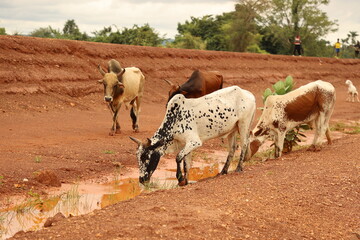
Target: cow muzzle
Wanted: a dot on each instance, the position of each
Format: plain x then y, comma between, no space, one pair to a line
144,180
108,98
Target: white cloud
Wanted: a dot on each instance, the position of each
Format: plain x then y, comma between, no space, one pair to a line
24,16
90,15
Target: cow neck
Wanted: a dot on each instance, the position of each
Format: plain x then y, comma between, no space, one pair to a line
166,130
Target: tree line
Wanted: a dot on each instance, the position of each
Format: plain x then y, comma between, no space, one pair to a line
258,26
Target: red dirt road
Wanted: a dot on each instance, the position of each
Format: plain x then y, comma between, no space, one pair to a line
53,118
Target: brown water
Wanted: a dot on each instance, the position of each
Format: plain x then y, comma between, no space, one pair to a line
82,198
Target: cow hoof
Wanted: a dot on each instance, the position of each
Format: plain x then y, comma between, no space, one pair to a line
136,130
314,148
183,183
111,134
223,173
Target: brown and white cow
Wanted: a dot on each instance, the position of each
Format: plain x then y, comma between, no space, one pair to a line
312,103
122,85
199,84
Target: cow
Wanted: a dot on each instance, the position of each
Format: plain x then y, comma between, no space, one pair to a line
312,103
352,92
199,84
190,122
122,85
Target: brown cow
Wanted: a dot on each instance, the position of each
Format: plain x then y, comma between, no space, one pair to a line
199,84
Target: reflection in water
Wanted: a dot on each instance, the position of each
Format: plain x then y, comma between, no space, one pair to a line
126,189
84,198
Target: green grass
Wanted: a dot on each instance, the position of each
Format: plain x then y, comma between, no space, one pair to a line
38,159
345,128
109,152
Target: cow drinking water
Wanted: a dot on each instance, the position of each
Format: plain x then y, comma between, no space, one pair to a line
122,85
190,122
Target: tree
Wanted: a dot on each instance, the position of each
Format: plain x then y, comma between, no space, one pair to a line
286,18
243,31
188,41
2,31
137,35
348,45
47,32
71,31
208,29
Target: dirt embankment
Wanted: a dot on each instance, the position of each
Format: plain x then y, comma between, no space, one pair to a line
53,119
69,67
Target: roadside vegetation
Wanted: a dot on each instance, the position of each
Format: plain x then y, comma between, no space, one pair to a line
258,26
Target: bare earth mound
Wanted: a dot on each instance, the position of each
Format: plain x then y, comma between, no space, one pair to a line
53,119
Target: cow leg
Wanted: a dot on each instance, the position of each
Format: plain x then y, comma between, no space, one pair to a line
116,126
134,113
357,98
279,143
244,139
320,129
133,116
189,147
187,166
232,148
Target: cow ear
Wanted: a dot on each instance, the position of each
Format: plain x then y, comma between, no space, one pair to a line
101,81
101,70
148,142
258,132
120,74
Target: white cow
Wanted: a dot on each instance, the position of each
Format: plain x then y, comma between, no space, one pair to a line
122,85
190,122
312,103
352,92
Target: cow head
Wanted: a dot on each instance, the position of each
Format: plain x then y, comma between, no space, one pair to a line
348,82
148,156
256,140
175,89
112,82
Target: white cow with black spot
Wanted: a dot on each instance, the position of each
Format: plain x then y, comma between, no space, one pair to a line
190,122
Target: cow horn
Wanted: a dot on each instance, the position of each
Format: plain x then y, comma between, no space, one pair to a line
169,82
101,70
136,140
119,75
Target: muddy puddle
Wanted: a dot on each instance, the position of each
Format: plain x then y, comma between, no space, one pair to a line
83,198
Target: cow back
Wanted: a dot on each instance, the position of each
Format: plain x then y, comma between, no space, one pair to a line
133,81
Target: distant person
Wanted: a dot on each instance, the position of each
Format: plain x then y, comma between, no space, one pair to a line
337,47
357,49
297,45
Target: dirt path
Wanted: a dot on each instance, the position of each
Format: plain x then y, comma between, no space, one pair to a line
303,195
53,119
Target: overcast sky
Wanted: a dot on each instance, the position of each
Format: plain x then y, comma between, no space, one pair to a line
24,16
